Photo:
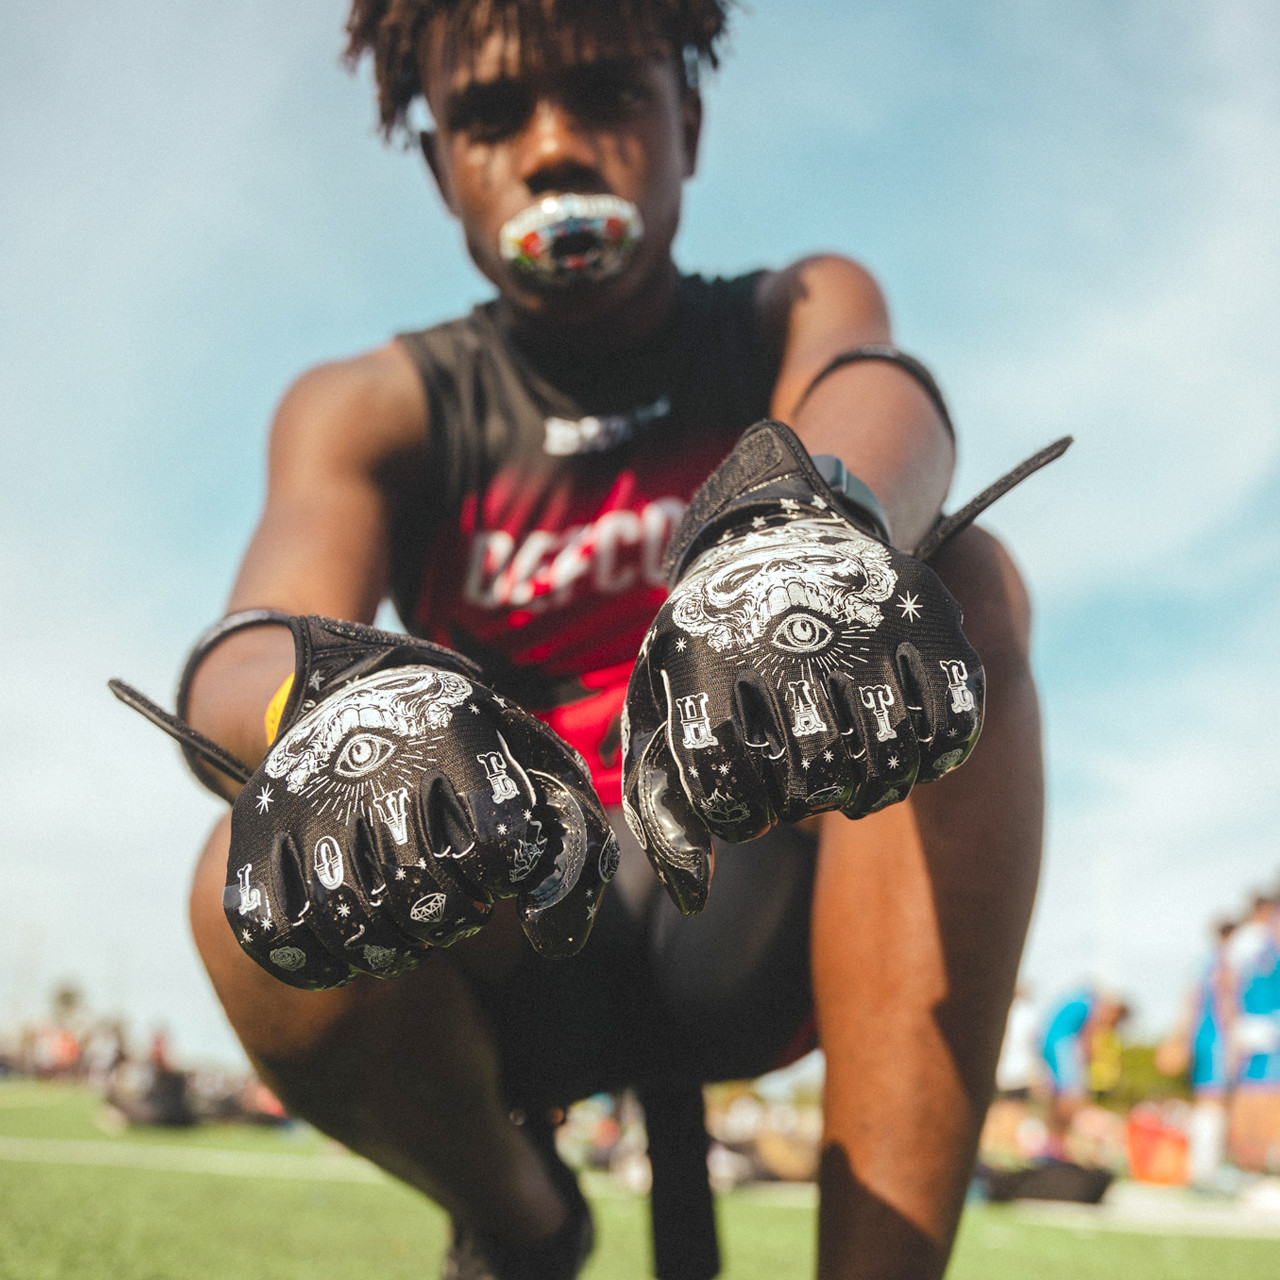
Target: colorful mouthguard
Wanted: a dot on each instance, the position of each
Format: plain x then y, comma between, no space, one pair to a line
568,239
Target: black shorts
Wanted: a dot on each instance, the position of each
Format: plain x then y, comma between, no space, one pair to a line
657,996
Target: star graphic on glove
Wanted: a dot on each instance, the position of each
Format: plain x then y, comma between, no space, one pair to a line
893,762
315,682
246,935
264,799
722,769
909,605
471,706
502,828
343,910
681,644
400,873
828,756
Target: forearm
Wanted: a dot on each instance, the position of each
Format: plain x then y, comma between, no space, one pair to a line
232,687
885,429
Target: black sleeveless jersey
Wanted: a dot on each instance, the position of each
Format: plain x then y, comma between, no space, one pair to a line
553,486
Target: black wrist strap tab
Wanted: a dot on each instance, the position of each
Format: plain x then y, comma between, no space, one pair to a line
191,740
946,527
198,751
888,355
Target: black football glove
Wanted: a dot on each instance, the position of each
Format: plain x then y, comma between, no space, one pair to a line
799,665
399,799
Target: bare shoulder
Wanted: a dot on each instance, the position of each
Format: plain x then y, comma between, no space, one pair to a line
823,290
356,414
813,310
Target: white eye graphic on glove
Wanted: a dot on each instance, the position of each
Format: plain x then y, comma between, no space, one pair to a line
363,754
817,576
801,633
365,743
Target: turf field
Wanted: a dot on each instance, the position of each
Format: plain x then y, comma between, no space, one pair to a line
243,1204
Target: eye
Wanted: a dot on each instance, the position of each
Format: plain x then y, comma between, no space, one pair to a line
363,754
606,93
801,633
489,112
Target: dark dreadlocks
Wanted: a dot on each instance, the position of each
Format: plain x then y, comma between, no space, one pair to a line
395,33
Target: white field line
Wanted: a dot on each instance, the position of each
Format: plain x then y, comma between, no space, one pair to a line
234,1164
1227,1223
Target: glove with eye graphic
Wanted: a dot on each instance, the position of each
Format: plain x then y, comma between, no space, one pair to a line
800,664
399,799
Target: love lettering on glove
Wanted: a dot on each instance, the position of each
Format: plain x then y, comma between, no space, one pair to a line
799,665
400,798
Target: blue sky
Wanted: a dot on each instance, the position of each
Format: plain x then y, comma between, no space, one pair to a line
1073,208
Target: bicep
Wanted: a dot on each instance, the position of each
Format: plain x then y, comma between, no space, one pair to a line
346,446
820,307
322,549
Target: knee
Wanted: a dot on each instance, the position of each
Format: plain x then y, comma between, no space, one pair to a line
982,576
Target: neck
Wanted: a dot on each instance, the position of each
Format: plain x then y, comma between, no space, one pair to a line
611,325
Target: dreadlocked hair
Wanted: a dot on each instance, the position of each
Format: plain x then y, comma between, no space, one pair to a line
395,33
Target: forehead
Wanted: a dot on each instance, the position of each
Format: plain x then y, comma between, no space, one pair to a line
490,44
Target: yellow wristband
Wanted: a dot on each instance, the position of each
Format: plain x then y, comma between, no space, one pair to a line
275,709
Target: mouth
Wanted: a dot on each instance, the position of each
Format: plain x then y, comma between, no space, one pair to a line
570,239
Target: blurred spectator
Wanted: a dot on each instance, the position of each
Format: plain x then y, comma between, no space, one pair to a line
1198,1046
1018,1068
1081,1022
1255,1041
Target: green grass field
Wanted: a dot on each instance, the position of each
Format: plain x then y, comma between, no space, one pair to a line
229,1203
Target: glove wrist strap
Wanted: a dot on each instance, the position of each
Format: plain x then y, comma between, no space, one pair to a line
769,464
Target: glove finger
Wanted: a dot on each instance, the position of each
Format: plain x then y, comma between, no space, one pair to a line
893,755
714,766
266,904
421,887
340,882
662,819
642,715
568,852
576,857
825,764
961,692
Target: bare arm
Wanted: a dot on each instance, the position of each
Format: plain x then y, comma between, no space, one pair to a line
871,415
346,441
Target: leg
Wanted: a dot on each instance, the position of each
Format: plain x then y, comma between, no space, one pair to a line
920,913
404,1071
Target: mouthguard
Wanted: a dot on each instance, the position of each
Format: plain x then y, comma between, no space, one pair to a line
570,239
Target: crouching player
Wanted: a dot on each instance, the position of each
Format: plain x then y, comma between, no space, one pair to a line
414,869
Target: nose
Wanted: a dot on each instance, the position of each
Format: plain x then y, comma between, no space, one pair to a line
560,153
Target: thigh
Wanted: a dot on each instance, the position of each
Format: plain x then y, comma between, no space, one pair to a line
656,995
732,996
